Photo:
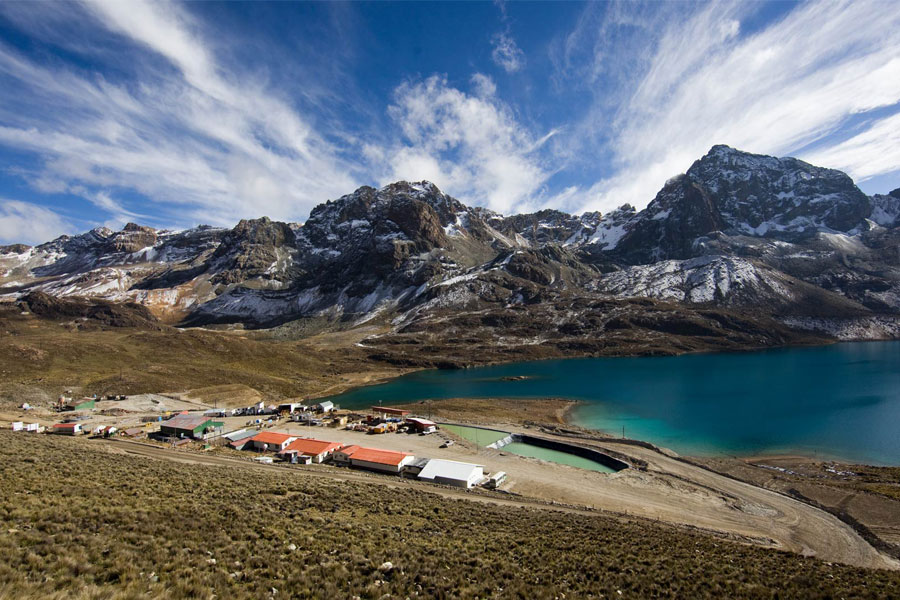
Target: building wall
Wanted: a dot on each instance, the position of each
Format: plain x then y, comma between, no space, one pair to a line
363,464
271,447
475,477
319,458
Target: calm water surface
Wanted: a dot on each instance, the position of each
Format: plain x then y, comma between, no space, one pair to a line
840,401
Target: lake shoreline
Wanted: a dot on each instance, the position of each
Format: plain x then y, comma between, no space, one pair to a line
770,403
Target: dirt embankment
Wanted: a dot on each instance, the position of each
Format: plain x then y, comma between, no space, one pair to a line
494,410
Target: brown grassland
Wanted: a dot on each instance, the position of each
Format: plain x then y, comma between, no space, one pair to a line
41,358
79,521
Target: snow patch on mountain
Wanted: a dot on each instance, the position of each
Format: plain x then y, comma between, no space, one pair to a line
881,327
702,280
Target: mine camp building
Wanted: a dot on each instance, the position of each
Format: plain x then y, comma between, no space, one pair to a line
316,450
451,472
324,407
78,403
198,427
240,439
272,441
373,459
422,425
388,411
68,428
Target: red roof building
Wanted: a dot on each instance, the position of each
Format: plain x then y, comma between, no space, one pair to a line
374,459
272,441
422,425
68,428
317,450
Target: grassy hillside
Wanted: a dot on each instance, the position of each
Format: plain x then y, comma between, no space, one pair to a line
79,521
41,357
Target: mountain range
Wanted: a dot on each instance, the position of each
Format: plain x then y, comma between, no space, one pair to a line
742,250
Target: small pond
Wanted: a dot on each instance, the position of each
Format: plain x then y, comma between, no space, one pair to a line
486,437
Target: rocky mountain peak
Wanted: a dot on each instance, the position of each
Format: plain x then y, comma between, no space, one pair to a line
764,195
681,212
251,249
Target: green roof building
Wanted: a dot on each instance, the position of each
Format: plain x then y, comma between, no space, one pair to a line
188,426
81,404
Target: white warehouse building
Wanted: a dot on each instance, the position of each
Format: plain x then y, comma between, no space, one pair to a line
451,472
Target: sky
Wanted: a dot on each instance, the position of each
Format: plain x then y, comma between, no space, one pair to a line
173,115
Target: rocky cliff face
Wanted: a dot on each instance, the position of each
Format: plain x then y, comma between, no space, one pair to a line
759,236
740,194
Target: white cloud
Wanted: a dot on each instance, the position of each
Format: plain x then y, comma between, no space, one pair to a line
471,146
506,53
25,223
875,151
203,141
483,85
786,87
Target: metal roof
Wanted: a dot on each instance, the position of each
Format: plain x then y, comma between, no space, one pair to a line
390,411
448,469
381,457
311,447
189,422
272,437
240,435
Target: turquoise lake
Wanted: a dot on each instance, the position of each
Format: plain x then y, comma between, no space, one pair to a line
840,401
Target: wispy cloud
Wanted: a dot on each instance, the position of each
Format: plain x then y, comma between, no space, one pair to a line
469,144
506,52
701,81
22,222
873,152
202,141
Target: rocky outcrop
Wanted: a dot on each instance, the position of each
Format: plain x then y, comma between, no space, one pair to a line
14,249
132,238
100,312
682,212
252,249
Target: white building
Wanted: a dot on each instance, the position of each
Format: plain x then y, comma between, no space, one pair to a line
271,441
451,472
324,407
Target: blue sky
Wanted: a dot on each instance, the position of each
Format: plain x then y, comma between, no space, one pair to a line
173,114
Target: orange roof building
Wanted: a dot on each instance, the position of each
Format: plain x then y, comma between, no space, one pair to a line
317,450
374,459
272,441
